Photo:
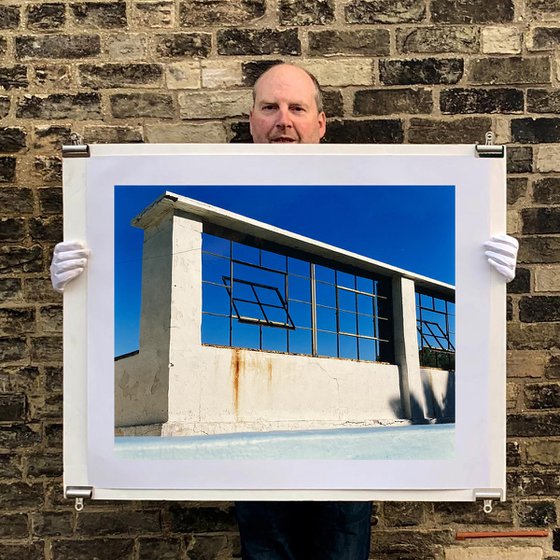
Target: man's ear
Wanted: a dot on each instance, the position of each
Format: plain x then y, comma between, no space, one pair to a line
251,122
322,124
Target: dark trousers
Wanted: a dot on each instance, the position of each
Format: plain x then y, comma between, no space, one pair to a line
304,530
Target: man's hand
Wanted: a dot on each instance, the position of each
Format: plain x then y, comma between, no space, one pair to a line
68,262
501,251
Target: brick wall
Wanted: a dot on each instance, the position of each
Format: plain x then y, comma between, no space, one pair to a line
180,71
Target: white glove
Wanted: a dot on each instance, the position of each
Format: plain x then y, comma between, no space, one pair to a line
68,262
502,254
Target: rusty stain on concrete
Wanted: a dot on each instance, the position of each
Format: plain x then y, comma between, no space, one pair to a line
269,372
236,367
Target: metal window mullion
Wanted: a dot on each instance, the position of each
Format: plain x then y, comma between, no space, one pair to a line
230,293
313,311
337,314
357,324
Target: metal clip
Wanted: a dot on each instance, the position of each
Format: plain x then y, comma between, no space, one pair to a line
76,148
489,137
79,493
487,508
79,504
489,149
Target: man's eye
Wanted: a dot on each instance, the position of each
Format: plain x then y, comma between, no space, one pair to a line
268,107
298,109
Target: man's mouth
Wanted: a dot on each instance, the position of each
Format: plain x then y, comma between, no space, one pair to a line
283,140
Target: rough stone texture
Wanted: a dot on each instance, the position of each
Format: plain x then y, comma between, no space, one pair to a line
543,101
151,105
501,40
111,135
59,106
203,13
476,11
57,46
154,15
499,100
127,47
13,77
441,39
384,11
104,15
258,42
217,104
421,71
462,131
547,278
303,12
391,101
183,75
539,309
365,42
52,76
177,45
493,553
120,75
45,17
9,17
180,133
4,106
226,73
543,39
520,159
535,131
545,453
542,395
379,131
511,70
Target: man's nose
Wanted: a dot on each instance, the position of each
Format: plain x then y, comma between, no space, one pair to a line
283,118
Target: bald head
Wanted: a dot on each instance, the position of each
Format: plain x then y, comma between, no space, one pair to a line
287,107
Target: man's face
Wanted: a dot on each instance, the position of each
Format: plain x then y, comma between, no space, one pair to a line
285,109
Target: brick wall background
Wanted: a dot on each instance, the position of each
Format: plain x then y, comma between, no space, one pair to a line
180,71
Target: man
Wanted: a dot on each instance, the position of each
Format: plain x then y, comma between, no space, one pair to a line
287,108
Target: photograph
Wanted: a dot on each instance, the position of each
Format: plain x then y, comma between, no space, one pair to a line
284,322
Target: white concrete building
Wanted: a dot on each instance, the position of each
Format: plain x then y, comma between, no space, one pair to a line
260,329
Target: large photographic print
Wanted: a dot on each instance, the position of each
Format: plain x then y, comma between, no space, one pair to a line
285,322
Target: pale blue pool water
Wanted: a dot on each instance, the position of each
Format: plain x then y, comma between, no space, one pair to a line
433,442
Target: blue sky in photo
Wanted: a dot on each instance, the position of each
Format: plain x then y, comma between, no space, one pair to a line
411,227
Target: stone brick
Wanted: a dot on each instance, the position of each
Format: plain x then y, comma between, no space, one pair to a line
384,11
544,6
48,169
7,170
22,551
501,40
499,100
57,46
542,395
534,424
544,39
534,131
251,71
469,513
104,134
548,159
403,514
12,139
509,309
218,104
547,279
476,11
541,220
12,407
493,553
14,526
462,131
519,159
153,14
258,42
78,106
539,309
438,39
135,105
510,70
50,319
39,290
543,101
4,106
556,539
513,454
115,549
209,546
201,13
16,320
56,76
14,258
537,514
53,435
20,495
333,104
10,290
51,523
125,47
392,101
552,368
13,77
120,75
304,12
533,336
341,72
220,74
9,17
18,436
44,464
183,75
46,349
10,466
421,71
521,284
46,17
213,133
545,453
19,379
201,519
119,523
516,189
12,229
104,15
175,45
378,131
363,42
51,137
523,363
3,46
53,379
540,484
45,407
408,545
162,549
